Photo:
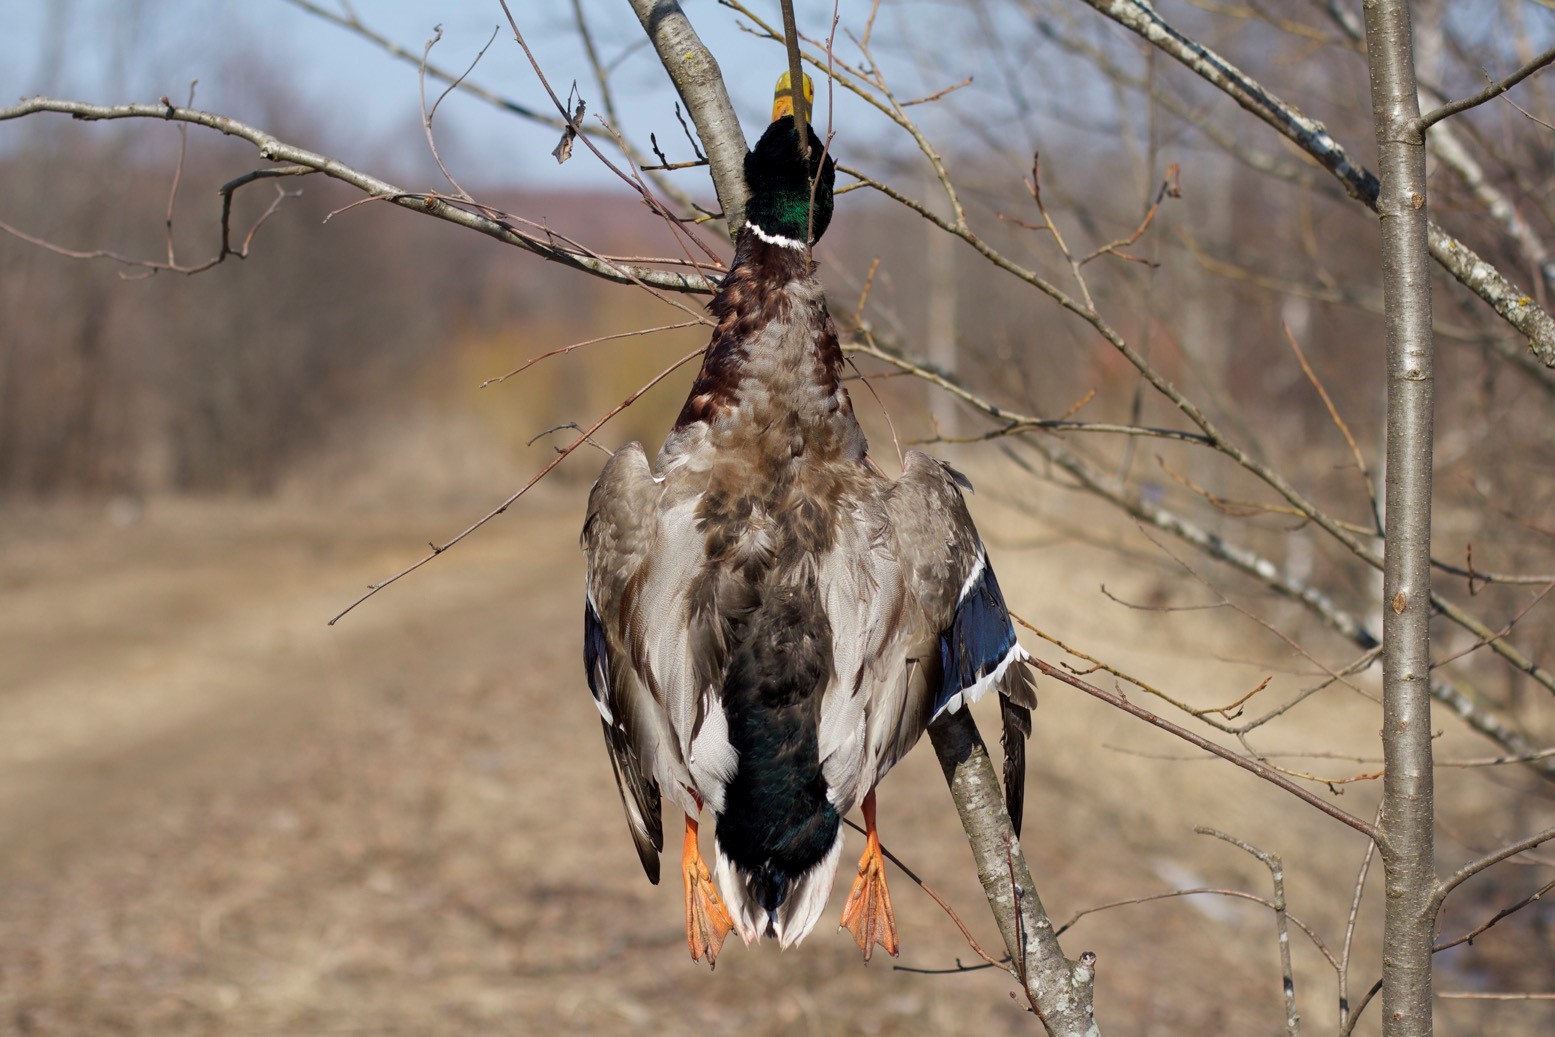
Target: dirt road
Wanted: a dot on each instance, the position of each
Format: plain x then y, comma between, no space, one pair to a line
220,816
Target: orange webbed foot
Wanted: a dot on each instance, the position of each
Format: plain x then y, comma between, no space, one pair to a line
707,923
868,913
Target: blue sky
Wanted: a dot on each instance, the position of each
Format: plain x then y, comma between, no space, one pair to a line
269,62
362,102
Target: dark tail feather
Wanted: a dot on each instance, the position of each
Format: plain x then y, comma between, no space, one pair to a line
640,797
770,885
1017,728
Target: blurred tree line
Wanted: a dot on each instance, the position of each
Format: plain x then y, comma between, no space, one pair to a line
115,378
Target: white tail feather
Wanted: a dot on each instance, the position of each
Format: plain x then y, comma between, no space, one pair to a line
800,910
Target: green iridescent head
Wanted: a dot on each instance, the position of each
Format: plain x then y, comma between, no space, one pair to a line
782,185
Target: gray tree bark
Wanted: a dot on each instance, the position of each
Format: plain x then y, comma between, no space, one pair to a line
1406,835
695,74
1060,990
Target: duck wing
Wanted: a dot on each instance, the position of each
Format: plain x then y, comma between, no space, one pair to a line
932,632
652,656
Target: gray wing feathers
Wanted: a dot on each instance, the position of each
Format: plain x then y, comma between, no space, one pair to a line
891,606
644,552
686,644
637,554
616,543
861,588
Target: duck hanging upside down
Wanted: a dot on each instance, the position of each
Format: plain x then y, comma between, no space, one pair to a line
771,623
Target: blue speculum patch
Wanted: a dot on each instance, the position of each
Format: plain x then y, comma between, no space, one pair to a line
593,648
978,639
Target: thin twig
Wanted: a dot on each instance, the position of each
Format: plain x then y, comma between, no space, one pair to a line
1531,118
1360,1006
1445,761
1505,630
669,166
1169,189
427,115
601,77
561,456
1490,92
574,426
1277,874
1234,894
936,95
1015,428
1469,870
1363,662
1470,936
350,22
1344,430
153,266
1349,926
691,138
1253,766
178,173
586,342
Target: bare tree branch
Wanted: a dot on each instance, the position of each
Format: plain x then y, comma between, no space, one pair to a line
1349,927
1474,867
275,150
1261,770
1505,912
1479,276
1060,990
171,264
1490,92
353,24
561,455
601,75
1234,894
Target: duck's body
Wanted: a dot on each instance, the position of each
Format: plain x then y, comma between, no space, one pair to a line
771,622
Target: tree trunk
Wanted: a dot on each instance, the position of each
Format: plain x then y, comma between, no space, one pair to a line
1406,837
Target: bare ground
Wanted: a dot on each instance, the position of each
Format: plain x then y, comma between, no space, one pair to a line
220,816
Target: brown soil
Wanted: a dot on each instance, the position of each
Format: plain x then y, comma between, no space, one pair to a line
219,815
